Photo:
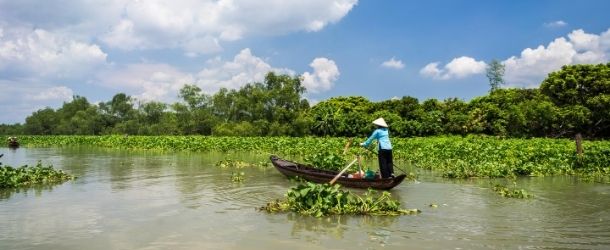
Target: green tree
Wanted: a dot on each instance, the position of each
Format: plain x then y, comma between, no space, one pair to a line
495,74
117,115
153,111
121,106
272,107
583,94
42,122
342,116
193,96
432,117
455,116
196,116
76,117
12,129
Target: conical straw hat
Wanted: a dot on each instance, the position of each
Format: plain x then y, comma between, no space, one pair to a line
380,122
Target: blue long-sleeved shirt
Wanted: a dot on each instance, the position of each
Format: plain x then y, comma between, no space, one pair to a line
383,136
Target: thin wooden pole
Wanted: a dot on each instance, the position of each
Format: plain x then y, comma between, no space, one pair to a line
342,171
579,150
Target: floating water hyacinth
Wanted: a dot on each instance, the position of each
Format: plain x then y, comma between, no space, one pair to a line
26,176
507,192
324,199
449,156
238,176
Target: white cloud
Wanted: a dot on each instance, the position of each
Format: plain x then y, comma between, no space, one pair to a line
19,99
393,64
325,73
464,66
204,45
584,42
460,67
150,81
37,67
46,54
533,65
61,93
129,25
146,81
555,24
244,68
40,57
431,70
123,36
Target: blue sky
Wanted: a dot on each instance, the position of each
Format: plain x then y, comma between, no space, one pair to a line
51,50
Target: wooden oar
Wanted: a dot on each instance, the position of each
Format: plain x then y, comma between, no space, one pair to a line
349,142
342,171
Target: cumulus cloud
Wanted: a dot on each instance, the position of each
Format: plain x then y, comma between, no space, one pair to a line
431,70
123,36
61,93
149,81
146,81
182,24
57,43
555,24
393,64
46,54
244,68
36,67
533,65
325,73
19,99
460,67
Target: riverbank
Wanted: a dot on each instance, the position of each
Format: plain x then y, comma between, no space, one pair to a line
449,156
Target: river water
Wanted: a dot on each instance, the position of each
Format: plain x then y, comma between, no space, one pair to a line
160,200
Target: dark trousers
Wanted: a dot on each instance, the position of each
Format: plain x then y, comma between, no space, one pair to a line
386,165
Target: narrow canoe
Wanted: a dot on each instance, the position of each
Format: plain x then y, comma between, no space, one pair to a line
13,144
293,169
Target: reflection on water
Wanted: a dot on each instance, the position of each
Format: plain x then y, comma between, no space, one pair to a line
154,200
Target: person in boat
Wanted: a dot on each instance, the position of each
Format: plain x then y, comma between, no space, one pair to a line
384,153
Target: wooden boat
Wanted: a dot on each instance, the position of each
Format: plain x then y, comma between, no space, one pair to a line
13,143
293,169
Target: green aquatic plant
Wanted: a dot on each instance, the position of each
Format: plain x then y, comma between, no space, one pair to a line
26,176
507,192
229,163
324,199
326,160
237,176
263,164
411,176
448,156
297,178
599,175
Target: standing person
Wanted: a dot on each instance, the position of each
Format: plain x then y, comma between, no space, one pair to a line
384,154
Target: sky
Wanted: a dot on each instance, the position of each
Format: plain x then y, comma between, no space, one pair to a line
54,49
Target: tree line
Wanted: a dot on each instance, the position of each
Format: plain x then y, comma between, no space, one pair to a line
575,99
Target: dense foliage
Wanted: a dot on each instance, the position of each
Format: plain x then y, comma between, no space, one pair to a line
324,199
582,95
507,192
450,156
26,176
575,99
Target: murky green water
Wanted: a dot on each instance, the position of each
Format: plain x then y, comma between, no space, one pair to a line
151,200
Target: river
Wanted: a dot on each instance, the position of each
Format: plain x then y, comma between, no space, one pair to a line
162,200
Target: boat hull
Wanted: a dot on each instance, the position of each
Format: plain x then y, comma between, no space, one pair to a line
293,169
